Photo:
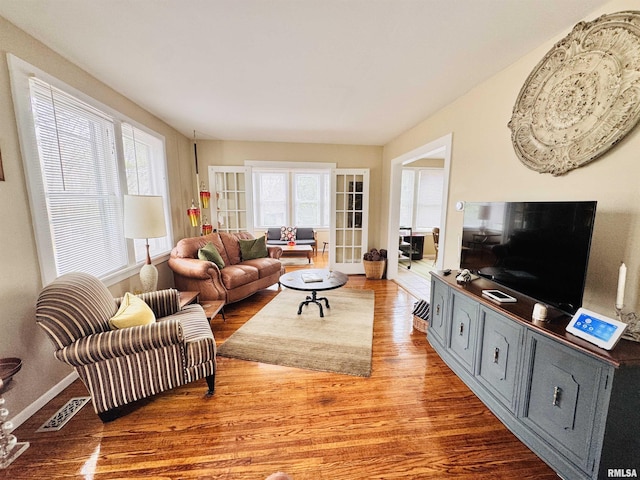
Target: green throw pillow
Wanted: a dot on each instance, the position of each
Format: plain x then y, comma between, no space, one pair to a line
254,248
210,253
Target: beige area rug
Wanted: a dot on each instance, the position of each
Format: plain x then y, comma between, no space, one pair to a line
290,261
340,342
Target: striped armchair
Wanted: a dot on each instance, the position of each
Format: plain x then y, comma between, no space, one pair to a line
121,366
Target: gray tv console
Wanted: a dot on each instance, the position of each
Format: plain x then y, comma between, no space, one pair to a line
575,405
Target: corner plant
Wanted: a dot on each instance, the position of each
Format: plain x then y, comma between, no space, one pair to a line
375,255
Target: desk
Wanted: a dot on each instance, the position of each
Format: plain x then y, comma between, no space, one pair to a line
416,245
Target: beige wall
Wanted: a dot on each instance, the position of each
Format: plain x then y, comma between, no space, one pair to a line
20,281
234,153
484,167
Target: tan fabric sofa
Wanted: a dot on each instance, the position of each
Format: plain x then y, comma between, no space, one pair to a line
236,281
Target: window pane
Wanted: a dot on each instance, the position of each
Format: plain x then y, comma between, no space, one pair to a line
77,178
271,196
307,206
429,198
307,199
144,162
406,198
76,145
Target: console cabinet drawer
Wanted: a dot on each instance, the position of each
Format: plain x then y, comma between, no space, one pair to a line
464,330
438,320
563,388
501,341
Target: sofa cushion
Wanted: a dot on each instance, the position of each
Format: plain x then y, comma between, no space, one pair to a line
188,247
254,248
288,234
133,312
305,242
304,233
273,234
210,253
276,242
232,246
265,266
234,276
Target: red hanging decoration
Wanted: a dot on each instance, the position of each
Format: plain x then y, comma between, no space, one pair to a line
207,228
205,195
194,214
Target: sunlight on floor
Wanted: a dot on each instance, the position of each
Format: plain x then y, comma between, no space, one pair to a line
417,284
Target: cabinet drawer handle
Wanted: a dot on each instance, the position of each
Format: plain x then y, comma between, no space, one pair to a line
496,353
557,392
438,309
461,329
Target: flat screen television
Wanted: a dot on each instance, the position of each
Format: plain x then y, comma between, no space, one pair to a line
539,249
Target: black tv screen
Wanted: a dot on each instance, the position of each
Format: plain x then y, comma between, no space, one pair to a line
539,249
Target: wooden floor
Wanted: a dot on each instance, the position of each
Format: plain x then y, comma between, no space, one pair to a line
413,418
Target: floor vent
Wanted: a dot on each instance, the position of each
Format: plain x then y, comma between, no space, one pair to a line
62,416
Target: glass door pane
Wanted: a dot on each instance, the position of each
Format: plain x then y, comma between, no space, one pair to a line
231,199
348,237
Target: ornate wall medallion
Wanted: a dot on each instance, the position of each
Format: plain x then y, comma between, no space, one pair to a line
582,98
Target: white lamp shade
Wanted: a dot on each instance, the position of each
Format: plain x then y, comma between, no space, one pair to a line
484,212
144,216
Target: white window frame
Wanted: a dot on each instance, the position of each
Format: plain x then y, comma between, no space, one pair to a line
291,168
20,72
417,172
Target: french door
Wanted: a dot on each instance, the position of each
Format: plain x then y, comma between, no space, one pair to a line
232,199
348,232
232,211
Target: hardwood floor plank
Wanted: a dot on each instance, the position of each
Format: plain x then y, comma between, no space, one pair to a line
413,418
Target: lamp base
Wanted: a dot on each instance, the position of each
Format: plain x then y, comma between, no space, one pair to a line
149,277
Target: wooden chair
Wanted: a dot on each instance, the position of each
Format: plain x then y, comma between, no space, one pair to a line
436,239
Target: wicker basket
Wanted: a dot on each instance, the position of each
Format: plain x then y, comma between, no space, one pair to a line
374,270
420,324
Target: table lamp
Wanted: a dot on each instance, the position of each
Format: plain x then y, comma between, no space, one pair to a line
144,218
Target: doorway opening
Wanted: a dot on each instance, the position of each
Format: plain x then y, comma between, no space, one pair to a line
410,274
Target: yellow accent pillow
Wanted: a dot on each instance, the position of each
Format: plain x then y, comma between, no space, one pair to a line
133,311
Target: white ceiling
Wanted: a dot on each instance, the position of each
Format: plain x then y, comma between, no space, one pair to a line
325,71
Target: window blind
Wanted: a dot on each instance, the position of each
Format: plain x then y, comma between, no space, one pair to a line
429,198
77,150
144,169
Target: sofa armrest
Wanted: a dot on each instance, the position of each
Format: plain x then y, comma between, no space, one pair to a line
162,302
120,343
193,268
274,251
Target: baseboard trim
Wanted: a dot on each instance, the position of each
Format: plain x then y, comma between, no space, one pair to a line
28,412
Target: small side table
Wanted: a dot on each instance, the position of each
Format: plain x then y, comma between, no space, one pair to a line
211,307
187,298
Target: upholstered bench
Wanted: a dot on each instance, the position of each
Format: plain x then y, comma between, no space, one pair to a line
300,235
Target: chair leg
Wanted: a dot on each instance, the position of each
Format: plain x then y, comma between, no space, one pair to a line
211,383
109,415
